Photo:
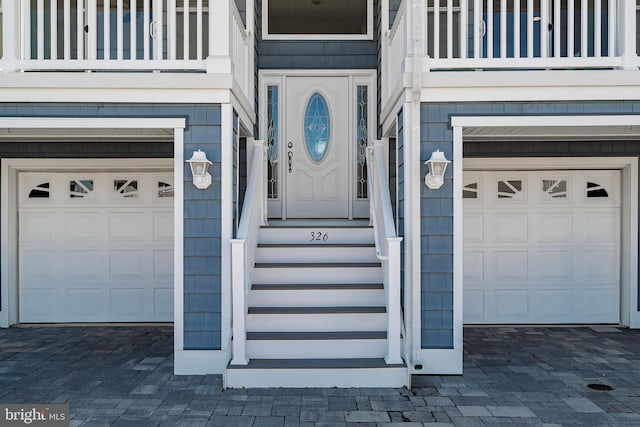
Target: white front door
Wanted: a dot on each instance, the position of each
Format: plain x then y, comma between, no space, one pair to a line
316,147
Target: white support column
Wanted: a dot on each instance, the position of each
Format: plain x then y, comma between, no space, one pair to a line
178,239
10,37
627,35
226,234
238,259
394,308
220,20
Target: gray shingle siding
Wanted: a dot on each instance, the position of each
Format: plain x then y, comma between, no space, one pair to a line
202,208
436,206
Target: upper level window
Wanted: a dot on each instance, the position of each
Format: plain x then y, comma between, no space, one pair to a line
317,19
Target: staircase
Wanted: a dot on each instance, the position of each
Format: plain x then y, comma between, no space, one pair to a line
316,310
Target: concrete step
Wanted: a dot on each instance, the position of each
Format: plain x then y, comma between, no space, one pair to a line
316,319
298,373
307,272
318,235
352,252
299,345
305,295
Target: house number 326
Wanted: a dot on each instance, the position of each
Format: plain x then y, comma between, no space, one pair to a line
319,236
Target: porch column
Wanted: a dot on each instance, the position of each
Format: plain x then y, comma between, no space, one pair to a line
627,35
219,59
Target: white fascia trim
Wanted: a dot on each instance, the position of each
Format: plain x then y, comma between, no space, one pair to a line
226,153
245,113
548,85
546,120
178,240
91,123
324,73
439,362
200,362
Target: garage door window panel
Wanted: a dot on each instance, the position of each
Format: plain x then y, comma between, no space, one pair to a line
40,191
125,189
511,189
554,189
81,189
164,190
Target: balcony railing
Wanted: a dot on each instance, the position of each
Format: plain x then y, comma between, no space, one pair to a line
512,34
118,35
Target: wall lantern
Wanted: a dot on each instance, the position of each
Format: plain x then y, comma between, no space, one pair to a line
199,166
437,165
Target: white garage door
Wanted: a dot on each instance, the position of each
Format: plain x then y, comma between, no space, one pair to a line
541,247
95,247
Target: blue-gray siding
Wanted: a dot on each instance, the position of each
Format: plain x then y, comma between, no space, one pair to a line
437,205
202,223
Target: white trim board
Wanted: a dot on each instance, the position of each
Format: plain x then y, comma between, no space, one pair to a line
200,362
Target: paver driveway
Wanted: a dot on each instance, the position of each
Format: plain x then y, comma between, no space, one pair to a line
513,376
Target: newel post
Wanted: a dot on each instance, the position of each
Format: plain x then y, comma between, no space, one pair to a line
239,309
394,310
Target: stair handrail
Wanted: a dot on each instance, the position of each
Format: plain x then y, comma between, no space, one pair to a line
387,245
243,248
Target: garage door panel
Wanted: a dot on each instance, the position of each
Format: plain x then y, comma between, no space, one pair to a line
511,305
511,265
127,302
474,305
600,264
555,227
39,304
549,251
510,227
38,226
554,305
163,265
39,265
85,303
126,226
83,226
473,265
601,226
555,265
163,298
84,264
163,226
126,265
601,303
103,255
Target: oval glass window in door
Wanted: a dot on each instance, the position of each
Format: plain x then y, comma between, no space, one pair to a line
317,127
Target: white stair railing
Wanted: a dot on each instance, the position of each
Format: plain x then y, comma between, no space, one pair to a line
387,246
243,249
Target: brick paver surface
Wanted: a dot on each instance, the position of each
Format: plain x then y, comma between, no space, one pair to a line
123,376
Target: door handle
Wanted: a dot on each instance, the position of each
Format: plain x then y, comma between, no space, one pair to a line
290,157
